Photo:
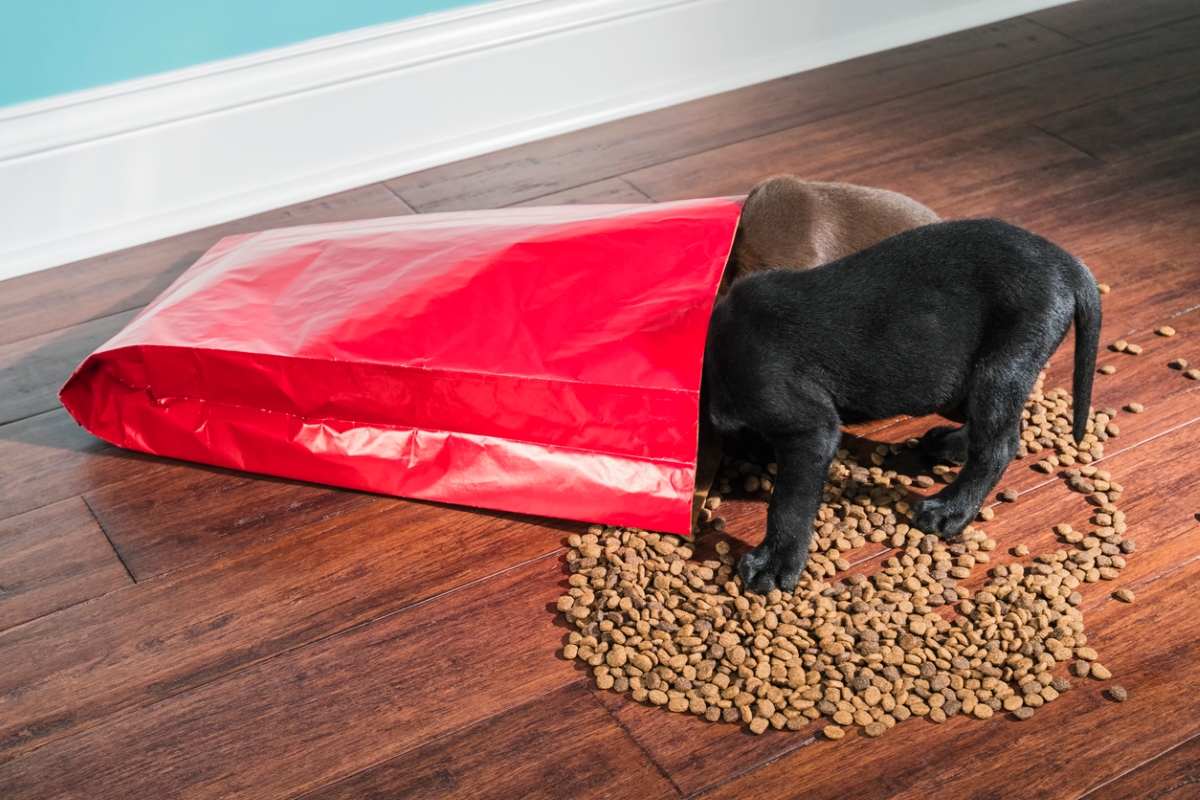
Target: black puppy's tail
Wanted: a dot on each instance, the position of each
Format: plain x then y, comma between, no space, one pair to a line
1087,342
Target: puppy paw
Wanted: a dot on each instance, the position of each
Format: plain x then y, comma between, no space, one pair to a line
762,570
940,516
946,443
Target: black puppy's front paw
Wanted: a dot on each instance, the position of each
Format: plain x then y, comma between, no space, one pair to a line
946,443
940,516
762,569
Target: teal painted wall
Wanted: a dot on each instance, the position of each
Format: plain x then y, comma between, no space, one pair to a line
49,47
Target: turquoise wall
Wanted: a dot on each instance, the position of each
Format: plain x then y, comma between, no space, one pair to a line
49,47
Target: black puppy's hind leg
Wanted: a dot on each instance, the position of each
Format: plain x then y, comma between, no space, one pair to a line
803,458
995,399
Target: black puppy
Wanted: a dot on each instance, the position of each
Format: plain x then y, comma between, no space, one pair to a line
955,314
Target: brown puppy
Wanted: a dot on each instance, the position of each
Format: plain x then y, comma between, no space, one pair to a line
792,224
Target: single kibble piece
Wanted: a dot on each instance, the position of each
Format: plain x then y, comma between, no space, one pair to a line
1100,672
1119,345
1104,288
1009,495
833,732
718,523
986,513
1023,713
1107,369
1133,349
1118,693
1192,374
1020,550
875,730
1178,363
1124,595
1166,330
1136,408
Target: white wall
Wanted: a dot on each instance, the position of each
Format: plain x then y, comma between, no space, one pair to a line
98,170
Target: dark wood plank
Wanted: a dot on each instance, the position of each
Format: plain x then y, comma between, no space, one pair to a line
529,171
321,713
611,190
182,514
32,370
1094,21
48,458
1175,775
158,639
128,279
1157,117
561,745
52,558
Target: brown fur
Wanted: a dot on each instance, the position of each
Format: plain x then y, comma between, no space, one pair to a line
792,224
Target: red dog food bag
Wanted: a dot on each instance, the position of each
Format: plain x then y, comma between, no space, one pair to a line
538,360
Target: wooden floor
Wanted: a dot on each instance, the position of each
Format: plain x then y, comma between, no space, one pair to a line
170,630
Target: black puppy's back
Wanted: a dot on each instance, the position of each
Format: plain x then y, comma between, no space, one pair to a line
898,328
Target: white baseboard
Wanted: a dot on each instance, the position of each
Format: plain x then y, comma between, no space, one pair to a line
99,170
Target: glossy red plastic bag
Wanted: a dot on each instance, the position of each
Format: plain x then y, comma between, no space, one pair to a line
539,360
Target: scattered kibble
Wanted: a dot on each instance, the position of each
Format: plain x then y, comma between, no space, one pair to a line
1104,288
986,514
1133,349
1178,363
1192,374
1165,330
1118,693
1119,345
656,621
1107,369
1009,495
1135,408
1124,595
1100,672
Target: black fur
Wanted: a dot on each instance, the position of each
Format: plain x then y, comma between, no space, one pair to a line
953,314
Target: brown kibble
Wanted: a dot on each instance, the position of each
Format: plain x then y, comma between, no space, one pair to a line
875,730
1119,345
1135,408
1013,703
1107,369
982,711
718,523
1100,672
1124,595
1009,495
986,514
1118,693
833,732
1023,713
1133,349
1165,330
1021,550
1192,374
1104,288
758,725
1178,363
1081,669
924,481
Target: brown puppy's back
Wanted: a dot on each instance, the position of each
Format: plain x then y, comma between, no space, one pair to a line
788,223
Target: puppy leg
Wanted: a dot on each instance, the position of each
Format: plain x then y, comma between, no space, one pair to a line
946,443
994,404
803,459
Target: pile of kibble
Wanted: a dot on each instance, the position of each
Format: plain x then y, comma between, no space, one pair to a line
867,650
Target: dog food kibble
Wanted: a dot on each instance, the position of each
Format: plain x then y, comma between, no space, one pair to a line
1165,330
1124,595
1107,369
1009,495
1119,345
1178,363
1193,374
1118,693
668,621
1104,288
1135,408
986,514
1133,349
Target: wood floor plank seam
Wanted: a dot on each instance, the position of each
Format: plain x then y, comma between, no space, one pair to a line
591,690
108,538
1052,29
396,195
810,739
1119,37
1167,790
442,737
